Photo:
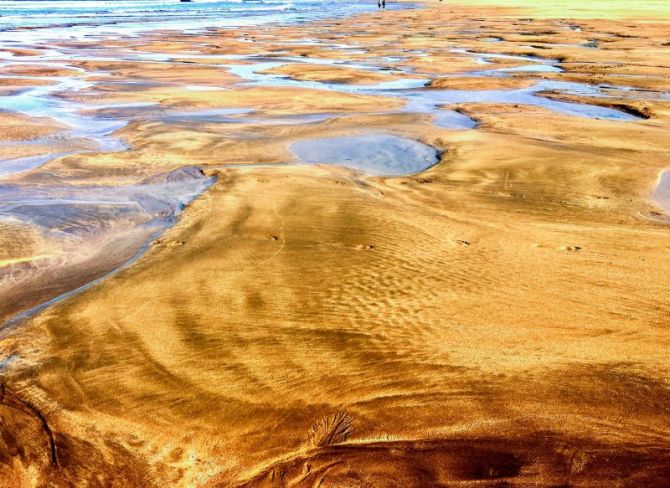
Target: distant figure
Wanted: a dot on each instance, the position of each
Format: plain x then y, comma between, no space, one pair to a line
381,3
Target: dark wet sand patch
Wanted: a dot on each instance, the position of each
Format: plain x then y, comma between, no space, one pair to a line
538,460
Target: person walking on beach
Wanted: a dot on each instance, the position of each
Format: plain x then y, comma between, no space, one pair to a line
381,3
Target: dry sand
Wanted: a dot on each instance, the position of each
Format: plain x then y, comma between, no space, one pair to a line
500,319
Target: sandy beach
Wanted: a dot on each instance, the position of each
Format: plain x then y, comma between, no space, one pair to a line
411,248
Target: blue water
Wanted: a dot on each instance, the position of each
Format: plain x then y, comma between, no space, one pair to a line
662,192
60,18
376,154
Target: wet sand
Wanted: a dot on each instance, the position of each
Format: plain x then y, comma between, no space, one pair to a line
496,319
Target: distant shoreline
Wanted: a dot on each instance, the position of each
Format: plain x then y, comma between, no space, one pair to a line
174,16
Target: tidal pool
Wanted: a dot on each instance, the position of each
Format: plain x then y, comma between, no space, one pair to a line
375,154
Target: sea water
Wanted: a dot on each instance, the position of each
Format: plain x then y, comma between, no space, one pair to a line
58,19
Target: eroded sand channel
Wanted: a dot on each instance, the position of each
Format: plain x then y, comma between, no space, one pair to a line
79,233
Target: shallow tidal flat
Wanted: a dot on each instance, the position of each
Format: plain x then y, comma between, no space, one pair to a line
467,285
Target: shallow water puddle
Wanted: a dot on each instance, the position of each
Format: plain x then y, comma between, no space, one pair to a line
423,100
533,68
662,192
40,101
19,165
376,154
54,208
109,224
258,74
511,57
432,101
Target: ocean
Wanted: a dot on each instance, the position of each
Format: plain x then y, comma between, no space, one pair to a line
20,20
